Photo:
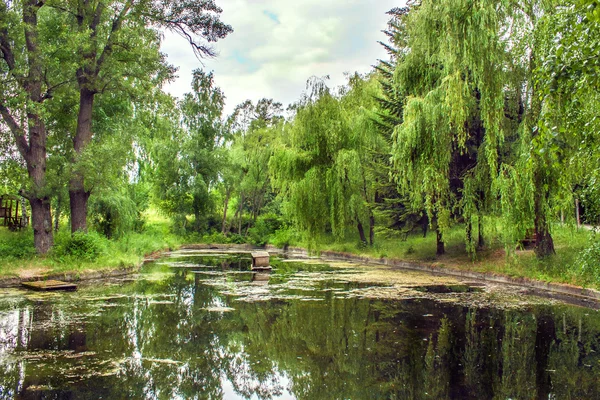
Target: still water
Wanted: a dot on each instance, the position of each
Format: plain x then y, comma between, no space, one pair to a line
200,325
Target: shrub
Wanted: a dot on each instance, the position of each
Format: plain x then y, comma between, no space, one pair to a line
115,214
284,237
589,260
265,226
83,246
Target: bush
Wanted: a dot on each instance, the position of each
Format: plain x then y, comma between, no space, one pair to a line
83,246
266,225
284,237
589,260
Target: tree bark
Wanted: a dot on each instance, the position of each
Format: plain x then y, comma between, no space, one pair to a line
78,196
41,218
544,245
440,244
480,239
30,135
371,229
361,232
41,222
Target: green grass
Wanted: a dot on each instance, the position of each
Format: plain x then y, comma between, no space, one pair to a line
17,254
577,259
564,267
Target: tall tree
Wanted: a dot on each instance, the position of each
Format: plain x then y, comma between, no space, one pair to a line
25,85
320,165
112,49
187,160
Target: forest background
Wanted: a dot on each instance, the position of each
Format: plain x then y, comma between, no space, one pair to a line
475,145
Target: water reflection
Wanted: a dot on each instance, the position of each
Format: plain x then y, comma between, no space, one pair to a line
177,333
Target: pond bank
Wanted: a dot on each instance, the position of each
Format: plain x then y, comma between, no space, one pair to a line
541,287
70,276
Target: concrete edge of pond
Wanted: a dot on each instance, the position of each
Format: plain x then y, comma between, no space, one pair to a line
71,276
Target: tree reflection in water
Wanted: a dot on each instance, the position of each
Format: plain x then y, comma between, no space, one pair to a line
175,337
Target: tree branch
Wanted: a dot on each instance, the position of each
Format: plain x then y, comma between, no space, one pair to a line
16,130
116,26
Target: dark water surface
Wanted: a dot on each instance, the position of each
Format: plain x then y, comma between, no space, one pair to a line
203,326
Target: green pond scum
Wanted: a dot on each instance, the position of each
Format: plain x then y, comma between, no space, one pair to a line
201,325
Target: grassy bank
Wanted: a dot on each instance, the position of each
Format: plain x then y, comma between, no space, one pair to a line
577,259
83,252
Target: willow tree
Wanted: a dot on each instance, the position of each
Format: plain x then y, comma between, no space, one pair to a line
453,109
473,127
320,168
570,84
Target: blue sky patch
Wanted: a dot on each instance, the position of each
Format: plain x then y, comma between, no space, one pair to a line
272,16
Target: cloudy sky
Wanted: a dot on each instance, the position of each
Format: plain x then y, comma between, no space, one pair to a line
278,44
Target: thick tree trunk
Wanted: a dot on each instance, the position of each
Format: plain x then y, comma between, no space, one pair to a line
41,222
78,199
41,218
371,229
30,134
440,244
77,194
361,232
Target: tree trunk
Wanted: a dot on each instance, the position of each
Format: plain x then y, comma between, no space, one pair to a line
481,240
41,218
425,224
23,212
371,229
440,244
77,194
41,222
361,232
228,194
30,135
78,199
544,245
57,212
241,216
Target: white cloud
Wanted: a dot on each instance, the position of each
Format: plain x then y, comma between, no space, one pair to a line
277,45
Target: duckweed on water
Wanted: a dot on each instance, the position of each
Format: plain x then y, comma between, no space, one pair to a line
308,330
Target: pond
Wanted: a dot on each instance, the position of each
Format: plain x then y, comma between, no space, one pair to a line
201,325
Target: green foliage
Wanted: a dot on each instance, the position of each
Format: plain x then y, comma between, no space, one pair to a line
284,237
80,246
588,261
266,225
186,157
321,166
16,245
